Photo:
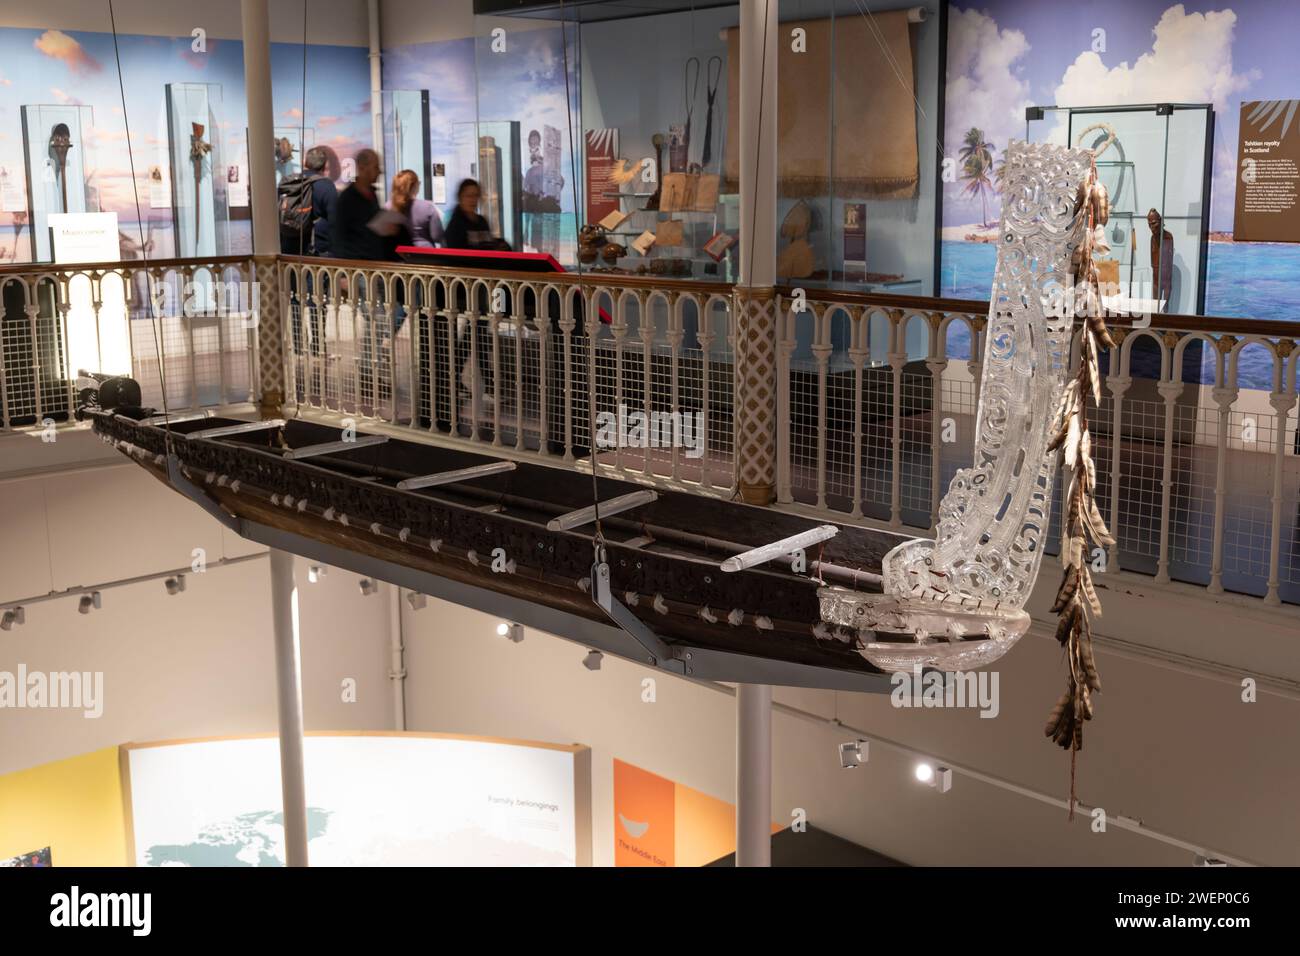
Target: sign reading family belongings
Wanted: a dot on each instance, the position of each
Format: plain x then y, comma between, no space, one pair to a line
1268,159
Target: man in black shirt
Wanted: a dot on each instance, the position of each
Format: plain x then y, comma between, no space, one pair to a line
351,236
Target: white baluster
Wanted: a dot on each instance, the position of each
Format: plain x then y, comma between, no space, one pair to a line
1282,402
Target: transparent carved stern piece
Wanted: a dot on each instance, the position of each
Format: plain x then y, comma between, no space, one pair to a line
956,602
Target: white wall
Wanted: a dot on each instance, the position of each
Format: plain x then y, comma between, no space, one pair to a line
1181,753
195,664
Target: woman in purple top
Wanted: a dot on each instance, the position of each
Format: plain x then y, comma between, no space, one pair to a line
422,215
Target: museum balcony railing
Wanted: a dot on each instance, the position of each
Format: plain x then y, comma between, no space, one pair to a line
1195,439
186,326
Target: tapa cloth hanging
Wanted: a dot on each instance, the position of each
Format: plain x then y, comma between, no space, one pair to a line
874,113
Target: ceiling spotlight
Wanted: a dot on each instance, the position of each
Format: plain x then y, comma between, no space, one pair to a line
417,600
175,585
89,602
315,573
12,616
511,631
592,660
854,753
938,777
367,586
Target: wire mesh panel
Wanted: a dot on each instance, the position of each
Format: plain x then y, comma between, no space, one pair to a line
1248,507
1191,500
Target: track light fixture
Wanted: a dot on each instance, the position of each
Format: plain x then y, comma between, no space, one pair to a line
12,616
367,586
938,777
511,631
175,584
854,753
592,660
315,573
89,602
417,600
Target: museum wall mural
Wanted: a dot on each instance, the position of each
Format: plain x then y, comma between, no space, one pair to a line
1006,55
73,77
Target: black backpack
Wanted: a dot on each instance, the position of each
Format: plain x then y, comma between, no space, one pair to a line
295,201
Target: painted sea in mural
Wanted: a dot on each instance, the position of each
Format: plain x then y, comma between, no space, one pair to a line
1257,280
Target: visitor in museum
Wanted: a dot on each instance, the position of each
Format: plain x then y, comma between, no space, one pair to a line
354,232
466,229
308,203
421,215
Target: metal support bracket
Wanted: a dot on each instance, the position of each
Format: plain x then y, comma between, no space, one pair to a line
661,655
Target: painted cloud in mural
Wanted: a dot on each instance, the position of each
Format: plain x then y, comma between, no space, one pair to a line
1190,61
59,46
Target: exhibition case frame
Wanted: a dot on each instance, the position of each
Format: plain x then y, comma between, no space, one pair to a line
1157,159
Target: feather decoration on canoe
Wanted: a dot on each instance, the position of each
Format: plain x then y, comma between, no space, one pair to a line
1082,526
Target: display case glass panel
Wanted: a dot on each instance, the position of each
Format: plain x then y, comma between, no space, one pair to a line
291,145
199,202
57,160
488,151
858,145
1152,159
406,136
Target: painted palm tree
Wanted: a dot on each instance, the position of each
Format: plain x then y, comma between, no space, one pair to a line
977,160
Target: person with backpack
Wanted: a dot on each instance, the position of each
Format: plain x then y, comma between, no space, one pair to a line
308,208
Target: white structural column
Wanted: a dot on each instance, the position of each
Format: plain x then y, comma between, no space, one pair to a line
288,691
266,220
261,126
396,656
753,775
756,388
376,97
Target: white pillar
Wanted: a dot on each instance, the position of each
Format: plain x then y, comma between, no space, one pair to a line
261,126
753,775
288,692
377,100
758,61
396,656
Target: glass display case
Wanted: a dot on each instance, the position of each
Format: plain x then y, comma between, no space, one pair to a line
291,145
406,136
858,148
488,151
200,215
54,147
1153,160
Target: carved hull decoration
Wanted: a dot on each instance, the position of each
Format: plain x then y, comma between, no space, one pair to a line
939,596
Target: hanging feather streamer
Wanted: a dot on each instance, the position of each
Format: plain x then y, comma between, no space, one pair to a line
1082,527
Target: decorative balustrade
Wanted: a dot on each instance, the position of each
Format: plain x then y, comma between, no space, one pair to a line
1195,440
1195,437
548,366
183,327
